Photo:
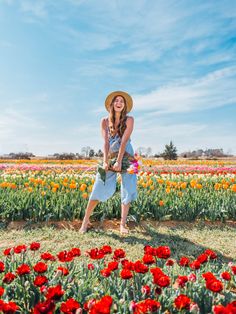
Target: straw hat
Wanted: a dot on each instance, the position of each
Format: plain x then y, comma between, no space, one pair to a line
127,97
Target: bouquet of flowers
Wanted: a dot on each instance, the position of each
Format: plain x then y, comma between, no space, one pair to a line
129,164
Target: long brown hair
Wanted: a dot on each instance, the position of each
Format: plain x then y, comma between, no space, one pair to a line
123,118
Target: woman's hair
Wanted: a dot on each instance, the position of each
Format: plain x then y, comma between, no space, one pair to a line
123,118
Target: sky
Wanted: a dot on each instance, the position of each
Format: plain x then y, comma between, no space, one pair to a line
60,59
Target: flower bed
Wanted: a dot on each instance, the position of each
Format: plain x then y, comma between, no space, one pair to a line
64,196
103,280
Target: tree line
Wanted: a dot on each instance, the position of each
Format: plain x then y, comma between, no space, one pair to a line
87,152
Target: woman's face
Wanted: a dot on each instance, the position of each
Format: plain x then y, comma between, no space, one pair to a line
119,104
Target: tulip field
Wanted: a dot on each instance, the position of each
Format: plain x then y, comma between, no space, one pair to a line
104,280
52,271
59,190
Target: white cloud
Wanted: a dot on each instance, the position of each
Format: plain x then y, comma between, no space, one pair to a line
13,121
213,90
186,136
36,8
88,40
15,128
25,103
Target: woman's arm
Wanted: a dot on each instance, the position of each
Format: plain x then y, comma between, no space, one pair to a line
106,141
125,137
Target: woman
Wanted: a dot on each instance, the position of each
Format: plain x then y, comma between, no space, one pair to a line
116,130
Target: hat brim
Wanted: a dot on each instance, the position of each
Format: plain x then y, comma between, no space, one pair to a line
128,99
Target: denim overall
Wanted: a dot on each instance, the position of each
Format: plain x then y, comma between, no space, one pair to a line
103,192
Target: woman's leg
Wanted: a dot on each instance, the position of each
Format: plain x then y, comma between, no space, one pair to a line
100,192
124,213
128,194
89,209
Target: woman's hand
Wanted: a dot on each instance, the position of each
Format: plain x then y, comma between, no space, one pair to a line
105,165
117,166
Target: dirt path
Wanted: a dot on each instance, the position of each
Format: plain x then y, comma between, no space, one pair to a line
115,223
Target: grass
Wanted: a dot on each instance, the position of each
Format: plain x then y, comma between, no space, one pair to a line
183,238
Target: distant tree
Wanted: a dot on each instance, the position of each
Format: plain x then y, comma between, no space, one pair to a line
214,152
78,156
85,151
141,151
91,153
64,156
21,155
100,153
208,153
229,152
170,152
56,156
149,151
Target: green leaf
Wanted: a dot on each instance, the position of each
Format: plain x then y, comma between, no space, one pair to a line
102,173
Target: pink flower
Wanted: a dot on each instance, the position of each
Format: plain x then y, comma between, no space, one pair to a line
192,277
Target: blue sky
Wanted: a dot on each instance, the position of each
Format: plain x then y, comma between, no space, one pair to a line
60,59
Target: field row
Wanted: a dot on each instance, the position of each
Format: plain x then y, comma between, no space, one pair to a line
103,280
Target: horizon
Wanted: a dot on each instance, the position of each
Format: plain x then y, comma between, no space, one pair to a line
152,154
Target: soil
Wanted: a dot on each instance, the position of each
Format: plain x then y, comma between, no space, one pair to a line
114,224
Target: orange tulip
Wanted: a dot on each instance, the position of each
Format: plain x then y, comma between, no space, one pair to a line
85,195
72,186
130,171
198,186
193,183
83,187
233,188
225,186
